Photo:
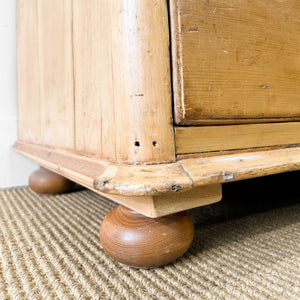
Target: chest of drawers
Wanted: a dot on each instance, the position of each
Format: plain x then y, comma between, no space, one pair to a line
155,104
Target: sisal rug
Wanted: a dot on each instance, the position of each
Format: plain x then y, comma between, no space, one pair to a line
245,247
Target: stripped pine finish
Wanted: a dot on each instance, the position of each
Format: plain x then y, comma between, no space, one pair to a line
97,106
28,86
93,79
108,75
45,73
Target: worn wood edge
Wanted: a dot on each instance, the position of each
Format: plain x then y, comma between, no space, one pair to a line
234,167
106,177
153,180
142,82
176,61
75,167
83,171
144,179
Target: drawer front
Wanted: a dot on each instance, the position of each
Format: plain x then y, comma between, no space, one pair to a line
235,61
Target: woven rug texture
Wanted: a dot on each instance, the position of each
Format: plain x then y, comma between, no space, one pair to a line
49,249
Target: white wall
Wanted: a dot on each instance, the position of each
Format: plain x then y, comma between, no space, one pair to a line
14,168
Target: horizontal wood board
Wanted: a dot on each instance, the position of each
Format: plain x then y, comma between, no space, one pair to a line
234,137
235,60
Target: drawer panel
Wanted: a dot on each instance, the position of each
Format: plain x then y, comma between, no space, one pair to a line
235,61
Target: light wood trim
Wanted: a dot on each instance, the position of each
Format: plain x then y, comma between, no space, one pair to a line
228,168
87,172
151,180
153,197
229,137
75,167
177,62
129,180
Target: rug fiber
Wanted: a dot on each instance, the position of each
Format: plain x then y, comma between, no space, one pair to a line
49,249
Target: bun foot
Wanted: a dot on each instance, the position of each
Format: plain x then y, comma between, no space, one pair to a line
43,181
142,242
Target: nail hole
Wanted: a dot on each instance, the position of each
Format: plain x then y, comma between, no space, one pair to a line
137,144
154,144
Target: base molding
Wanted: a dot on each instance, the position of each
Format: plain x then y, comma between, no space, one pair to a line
161,189
162,205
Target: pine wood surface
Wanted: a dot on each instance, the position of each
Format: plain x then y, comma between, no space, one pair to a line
100,78
234,137
141,242
93,77
235,60
29,121
45,73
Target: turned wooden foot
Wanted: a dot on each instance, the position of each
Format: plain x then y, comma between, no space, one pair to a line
142,242
43,181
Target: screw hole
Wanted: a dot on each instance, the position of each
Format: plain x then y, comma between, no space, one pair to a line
137,144
154,144
175,188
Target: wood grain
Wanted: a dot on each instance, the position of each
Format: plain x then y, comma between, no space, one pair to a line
94,94
100,78
56,73
229,152
142,83
122,79
141,242
229,137
235,60
45,73
28,72
234,167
